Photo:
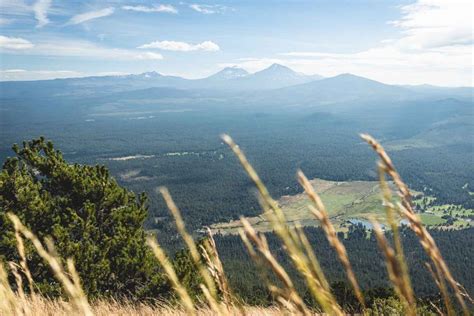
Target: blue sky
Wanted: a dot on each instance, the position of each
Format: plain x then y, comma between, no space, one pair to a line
404,42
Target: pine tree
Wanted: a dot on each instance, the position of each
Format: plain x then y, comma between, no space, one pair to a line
87,214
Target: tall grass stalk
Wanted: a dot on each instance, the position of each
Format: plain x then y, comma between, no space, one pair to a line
23,263
288,293
69,279
426,240
403,277
216,269
289,237
8,300
319,211
393,269
210,284
159,253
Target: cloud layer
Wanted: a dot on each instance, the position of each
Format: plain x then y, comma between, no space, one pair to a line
208,9
14,43
207,46
87,16
73,48
156,8
429,24
40,8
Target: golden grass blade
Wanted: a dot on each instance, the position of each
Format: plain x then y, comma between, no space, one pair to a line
280,295
188,239
74,292
426,240
23,263
465,293
212,302
319,286
317,272
404,191
289,237
439,280
19,282
265,251
215,267
266,197
285,303
319,211
304,259
438,310
248,245
393,269
186,300
277,293
289,292
442,271
23,306
9,304
399,256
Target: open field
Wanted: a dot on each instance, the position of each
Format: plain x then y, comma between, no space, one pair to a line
445,216
350,202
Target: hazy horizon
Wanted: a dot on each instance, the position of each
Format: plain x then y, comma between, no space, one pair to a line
394,42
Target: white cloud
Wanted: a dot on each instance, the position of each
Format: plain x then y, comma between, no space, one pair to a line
435,46
74,48
156,8
40,8
202,9
12,71
87,16
14,43
209,9
436,23
207,46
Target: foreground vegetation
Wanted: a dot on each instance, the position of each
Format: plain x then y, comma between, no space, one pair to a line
40,178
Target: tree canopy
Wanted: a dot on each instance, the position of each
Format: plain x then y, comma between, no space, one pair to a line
89,217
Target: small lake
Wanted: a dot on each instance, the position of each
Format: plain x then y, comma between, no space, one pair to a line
368,225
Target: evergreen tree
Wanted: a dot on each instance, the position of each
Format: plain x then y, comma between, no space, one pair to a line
87,214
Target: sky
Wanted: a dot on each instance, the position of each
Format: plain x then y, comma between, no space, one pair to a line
395,42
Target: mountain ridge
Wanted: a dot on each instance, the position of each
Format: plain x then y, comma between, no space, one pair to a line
276,83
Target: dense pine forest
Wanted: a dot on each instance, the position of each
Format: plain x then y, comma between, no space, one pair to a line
367,261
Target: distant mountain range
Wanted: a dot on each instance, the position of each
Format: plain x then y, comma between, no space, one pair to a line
277,84
228,79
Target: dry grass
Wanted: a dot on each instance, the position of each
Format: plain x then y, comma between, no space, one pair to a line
45,307
319,211
215,288
429,245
